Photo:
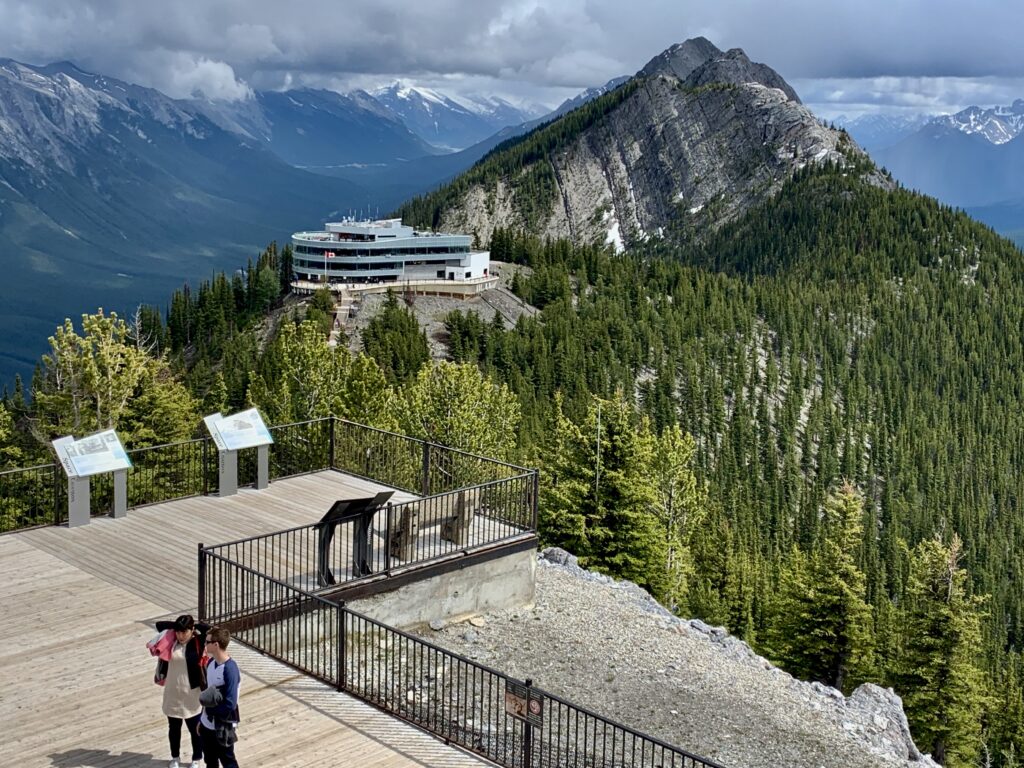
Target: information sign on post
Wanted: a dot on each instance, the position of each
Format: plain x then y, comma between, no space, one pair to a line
231,434
244,430
93,455
99,453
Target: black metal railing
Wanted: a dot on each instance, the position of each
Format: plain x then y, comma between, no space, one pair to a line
38,495
448,695
409,533
411,464
32,496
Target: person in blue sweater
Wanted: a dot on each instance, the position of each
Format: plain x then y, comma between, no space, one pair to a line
218,722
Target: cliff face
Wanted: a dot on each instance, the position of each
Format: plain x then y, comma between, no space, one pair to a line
705,136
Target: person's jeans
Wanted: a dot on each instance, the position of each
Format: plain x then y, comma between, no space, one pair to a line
174,736
217,756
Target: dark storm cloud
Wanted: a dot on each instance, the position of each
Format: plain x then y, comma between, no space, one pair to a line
220,47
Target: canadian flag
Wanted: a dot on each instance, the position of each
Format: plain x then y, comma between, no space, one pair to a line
329,254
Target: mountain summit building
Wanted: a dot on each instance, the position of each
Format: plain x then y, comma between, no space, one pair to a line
384,251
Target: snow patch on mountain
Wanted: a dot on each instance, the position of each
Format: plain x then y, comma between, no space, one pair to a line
998,124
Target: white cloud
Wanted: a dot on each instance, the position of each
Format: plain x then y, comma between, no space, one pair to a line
516,46
851,97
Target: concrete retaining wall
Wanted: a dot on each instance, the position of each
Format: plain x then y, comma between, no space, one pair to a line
506,582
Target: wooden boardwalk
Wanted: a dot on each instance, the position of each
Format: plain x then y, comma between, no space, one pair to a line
78,606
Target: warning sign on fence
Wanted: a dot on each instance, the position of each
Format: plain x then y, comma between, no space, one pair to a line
524,703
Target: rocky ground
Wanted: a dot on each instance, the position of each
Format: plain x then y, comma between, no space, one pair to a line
431,311
608,646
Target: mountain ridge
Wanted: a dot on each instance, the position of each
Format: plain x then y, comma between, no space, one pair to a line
669,153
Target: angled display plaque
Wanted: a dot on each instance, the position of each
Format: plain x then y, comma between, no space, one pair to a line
231,434
98,453
243,430
93,455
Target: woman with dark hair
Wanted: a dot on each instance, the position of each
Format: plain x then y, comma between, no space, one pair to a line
184,678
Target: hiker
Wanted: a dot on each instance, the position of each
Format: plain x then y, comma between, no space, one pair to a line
220,702
183,677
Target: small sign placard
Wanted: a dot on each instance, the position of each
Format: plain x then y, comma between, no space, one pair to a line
243,430
523,703
92,455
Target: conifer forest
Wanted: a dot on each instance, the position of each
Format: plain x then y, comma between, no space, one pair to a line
806,426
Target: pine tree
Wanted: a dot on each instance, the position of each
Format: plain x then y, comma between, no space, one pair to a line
938,674
102,379
680,507
822,629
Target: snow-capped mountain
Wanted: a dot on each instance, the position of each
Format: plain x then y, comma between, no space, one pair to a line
585,96
878,131
315,128
448,121
112,194
973,159
998,124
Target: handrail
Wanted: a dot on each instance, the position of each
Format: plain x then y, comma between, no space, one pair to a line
328,641
33,496
421,441
16,470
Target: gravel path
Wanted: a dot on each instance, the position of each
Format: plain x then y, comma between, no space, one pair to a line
608,646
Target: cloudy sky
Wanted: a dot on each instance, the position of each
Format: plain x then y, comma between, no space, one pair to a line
842,57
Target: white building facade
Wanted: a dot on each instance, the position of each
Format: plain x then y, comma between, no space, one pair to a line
384,251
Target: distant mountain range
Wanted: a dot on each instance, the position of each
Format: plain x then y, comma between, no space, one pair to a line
113,194
973,159
451,122
878,131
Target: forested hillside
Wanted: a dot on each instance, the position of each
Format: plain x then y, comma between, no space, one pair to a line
807,427
840,348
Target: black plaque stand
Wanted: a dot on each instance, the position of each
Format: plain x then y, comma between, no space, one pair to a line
360,513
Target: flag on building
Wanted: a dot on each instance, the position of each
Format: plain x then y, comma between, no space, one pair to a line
329,254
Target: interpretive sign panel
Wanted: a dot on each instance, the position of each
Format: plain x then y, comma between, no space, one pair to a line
211,423
243,430
92,455
522,702
61,445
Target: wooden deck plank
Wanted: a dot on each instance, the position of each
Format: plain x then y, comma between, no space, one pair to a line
78,606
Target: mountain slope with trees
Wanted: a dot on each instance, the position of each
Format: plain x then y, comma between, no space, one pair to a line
694,139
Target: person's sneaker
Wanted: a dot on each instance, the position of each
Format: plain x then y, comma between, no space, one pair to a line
174,763
194,764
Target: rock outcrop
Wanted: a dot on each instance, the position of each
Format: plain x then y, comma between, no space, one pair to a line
703,136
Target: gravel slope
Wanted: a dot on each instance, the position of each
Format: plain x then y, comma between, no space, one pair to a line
608,646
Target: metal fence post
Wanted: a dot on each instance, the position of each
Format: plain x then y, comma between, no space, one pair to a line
56,494
201,591
342,659
528,733
426,468
206,472
331,450
536,494
387,541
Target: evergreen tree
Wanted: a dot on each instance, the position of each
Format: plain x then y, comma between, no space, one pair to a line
680,507
102,380
394,339
938,674
10,454
456,405
303,378
823,624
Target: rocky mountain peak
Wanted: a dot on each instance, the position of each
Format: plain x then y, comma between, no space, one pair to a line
735,68
694,140
681,59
